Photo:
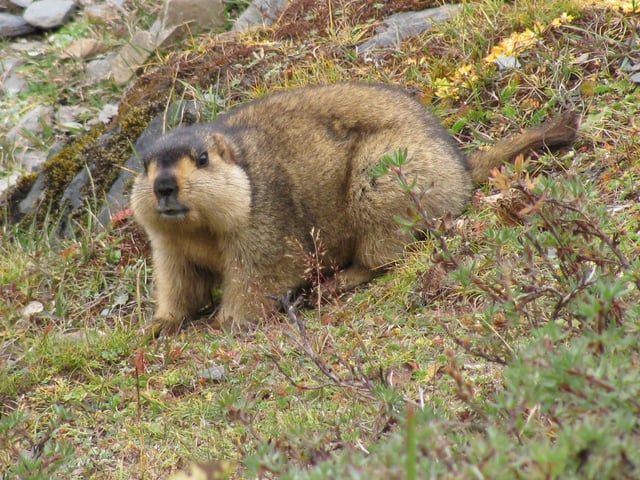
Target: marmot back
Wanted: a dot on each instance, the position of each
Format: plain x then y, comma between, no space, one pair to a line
233,203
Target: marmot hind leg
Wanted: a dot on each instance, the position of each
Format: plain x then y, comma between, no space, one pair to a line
375,252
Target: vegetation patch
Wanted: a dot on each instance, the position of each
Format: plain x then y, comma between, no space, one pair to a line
506,345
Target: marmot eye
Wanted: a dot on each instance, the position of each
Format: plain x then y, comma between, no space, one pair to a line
203,160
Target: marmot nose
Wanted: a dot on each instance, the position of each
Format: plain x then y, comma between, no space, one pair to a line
165,186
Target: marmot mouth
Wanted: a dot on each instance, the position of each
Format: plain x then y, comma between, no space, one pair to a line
173,213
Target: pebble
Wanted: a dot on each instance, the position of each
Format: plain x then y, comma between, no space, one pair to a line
31,124
22,3
9,181
100,68
13,26
399,26
13,83
49,13
30,160
216,373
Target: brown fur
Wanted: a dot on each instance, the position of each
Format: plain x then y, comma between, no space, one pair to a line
284,165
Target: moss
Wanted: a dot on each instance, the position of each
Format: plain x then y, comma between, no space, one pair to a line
114,150
60,169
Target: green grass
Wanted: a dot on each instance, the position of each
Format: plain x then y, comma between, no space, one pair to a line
506,345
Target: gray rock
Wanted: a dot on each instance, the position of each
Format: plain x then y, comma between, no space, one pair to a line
99,69
31,160
204,14
261,13
31,124
635,78
22,3
13,26
13,83
34,48
108,111
175,20
34,198
73,197
8,181
507,62
132,55
49,13
406,24
216,373
103,12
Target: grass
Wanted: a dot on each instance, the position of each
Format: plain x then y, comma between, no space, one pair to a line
506,345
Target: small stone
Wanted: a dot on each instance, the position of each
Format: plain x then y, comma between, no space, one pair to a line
68,113
101,12
13,82
507,62
215,373
34,198
31,48
83,48
8,182
109,111
199,13
635,78
14,26
99,69
31,309
31,124
132,55
49,13
401,25
261,13
31,160
22,3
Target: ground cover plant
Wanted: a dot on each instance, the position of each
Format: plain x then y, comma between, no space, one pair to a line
506,345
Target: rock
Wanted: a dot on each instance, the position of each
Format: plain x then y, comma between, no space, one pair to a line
108,111
31,160
399,26
22,3
261,13
31,124
133,55
104,12
635,78
30,204
200,13
33,48
14,25
8,181
216,373
49,13
176,18
507,62
99,69
31,309
68,113
13,83
83,48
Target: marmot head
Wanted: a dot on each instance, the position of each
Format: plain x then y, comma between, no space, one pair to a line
191,181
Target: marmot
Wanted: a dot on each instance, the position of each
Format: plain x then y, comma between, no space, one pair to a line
231,204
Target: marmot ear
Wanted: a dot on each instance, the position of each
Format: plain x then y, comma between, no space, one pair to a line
220,144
